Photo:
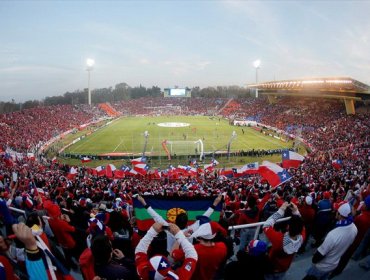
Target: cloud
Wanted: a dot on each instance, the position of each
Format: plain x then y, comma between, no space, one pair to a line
144,61
32,69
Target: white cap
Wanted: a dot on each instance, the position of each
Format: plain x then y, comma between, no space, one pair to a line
308,200
344,210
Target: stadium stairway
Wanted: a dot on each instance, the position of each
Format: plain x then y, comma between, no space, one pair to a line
230,107
225,106
109,110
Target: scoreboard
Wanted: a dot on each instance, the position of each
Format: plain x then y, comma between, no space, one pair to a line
177,92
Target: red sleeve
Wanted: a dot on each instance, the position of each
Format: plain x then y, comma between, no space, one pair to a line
7,267
262,203
142,265
66,226
275,237
187,269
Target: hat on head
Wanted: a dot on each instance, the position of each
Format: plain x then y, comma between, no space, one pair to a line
102,206
161,269
96,227
257,247
308,199
82,201
208,230
326,195
344,209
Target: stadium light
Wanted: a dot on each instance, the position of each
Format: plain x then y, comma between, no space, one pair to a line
89,63
257,64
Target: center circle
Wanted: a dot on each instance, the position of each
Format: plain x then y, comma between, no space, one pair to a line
173,124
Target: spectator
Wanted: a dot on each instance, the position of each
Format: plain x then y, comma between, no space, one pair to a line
362,223
254,261
158,267
110,263
284,245
335,244
211,254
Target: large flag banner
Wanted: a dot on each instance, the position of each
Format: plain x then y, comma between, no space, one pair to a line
109,169
85,159
139,160
141,168
250,168
273,173
169,208
291,159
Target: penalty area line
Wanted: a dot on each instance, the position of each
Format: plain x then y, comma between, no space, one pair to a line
118,146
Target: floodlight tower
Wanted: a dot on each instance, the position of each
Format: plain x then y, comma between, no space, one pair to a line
89,67
256,65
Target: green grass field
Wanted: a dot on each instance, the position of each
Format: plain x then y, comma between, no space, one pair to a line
126,135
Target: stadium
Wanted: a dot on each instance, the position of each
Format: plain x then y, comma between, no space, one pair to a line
262,180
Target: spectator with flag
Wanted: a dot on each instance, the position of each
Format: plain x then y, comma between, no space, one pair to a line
273,173
291,159
158,266
181,220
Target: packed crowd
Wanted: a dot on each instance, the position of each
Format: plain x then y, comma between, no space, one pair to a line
23,131
90,220
189,106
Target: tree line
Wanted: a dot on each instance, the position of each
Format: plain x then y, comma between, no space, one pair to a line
121,91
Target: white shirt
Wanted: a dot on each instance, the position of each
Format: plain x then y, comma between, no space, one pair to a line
335,244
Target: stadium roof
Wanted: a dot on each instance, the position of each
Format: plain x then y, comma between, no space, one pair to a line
334,87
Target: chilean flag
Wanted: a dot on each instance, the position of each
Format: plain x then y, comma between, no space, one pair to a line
291,159
157,174
141,168
337,163
72,173
273,173
120,173
85,159
138,160
109,170
100,170
226,173
250,168
31,156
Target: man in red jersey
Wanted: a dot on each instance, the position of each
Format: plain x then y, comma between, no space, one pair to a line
211,254
284,245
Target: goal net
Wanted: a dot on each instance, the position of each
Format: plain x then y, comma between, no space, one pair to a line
185,148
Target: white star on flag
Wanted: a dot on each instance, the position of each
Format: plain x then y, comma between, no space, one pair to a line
163,264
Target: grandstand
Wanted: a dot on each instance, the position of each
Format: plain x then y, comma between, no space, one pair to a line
343,88
336,169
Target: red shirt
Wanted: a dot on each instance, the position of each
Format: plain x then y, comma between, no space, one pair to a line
307,213
62,230
210,258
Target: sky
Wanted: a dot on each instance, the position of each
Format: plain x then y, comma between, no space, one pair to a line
44,44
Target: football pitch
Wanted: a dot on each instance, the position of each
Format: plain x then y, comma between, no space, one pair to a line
127,136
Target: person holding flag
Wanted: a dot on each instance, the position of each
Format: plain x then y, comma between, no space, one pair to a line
158,266
181,220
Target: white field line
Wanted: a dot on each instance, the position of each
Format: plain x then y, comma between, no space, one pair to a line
90,137
266,138
119,144
82,143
